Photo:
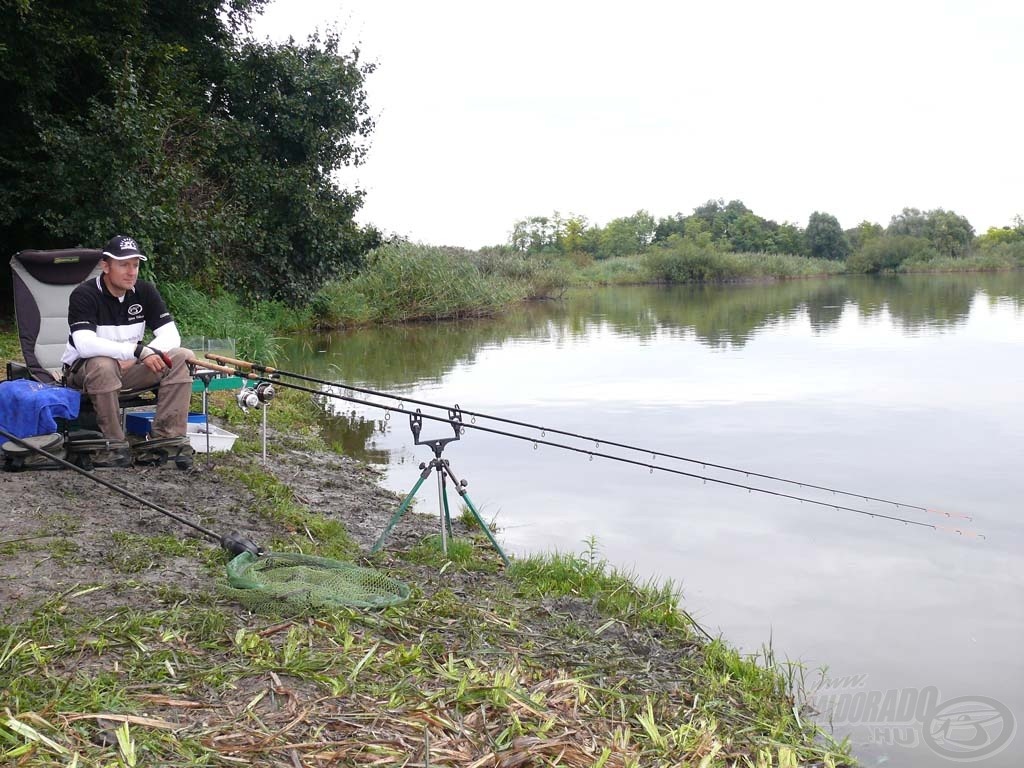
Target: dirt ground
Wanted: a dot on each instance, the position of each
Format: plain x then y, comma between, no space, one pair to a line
57,527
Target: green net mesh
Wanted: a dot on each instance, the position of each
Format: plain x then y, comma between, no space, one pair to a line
286,583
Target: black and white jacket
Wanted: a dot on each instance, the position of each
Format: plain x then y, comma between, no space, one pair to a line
103,325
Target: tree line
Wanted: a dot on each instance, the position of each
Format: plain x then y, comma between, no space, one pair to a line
733,227
166,120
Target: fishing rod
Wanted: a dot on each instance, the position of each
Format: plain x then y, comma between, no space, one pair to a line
454,420
598,441
233,542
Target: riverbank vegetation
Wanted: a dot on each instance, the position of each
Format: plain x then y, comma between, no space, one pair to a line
403,281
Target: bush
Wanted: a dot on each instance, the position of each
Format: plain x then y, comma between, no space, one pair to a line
681,260
225,317
551,279
621,270
987,260
886,254
404,281
1012,251
786,265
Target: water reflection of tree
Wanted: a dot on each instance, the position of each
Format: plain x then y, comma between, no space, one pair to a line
353,435
395,357
718,316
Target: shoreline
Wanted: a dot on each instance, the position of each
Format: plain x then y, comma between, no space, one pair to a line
483,666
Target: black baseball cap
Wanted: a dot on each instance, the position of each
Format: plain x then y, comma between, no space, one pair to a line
121,247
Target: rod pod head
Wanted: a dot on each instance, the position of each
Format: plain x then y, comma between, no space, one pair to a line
236,543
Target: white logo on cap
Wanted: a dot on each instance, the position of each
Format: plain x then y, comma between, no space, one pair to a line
127,242
134,309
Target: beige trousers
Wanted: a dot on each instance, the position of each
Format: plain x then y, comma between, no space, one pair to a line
102,379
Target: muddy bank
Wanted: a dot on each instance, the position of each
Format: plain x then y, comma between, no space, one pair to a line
60,530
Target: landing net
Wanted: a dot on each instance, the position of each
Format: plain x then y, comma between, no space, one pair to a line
291,584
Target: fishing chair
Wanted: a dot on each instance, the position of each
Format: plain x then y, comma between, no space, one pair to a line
43,282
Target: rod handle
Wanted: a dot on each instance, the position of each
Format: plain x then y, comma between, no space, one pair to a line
243,363
224,369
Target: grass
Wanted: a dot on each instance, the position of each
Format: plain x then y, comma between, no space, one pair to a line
621,270
589,576
993,260
460,679
276,502
687,261
10,348
403,282
253,326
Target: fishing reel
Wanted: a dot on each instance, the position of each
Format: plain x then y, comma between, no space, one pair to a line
261,394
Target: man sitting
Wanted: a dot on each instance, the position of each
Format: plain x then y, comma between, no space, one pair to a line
107,317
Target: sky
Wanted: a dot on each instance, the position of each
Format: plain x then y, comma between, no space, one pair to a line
487,113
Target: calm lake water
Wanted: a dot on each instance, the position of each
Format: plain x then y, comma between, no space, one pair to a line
906,388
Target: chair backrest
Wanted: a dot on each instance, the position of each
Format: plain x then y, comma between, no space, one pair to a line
43,282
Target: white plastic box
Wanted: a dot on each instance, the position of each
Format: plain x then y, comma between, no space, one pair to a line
219,439
140,422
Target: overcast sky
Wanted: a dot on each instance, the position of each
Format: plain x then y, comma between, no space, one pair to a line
488,113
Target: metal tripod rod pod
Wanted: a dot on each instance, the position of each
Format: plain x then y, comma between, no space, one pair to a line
443,469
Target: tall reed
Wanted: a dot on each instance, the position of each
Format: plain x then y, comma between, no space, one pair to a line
404,281
253,327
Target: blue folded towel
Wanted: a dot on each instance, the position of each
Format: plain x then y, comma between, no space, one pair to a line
29,408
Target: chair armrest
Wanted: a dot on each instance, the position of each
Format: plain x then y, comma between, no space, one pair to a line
17,371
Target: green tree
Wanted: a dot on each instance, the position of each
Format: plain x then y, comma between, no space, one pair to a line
911,221
293,114
788,238
999,236
535,234
825,238
670,225
864,233
160,118
573,239
627,236
720,217
949,233
749,233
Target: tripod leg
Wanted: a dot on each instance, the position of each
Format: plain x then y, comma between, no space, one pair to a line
400,511
442,503
482,524
447,510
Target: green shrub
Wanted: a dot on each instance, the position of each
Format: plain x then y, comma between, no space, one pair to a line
619,270
987,260
551,279
405,281
1010,251
226,317
682,260
886,254
786,265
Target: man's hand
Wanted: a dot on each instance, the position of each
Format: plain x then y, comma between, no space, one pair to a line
125,364
155,363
